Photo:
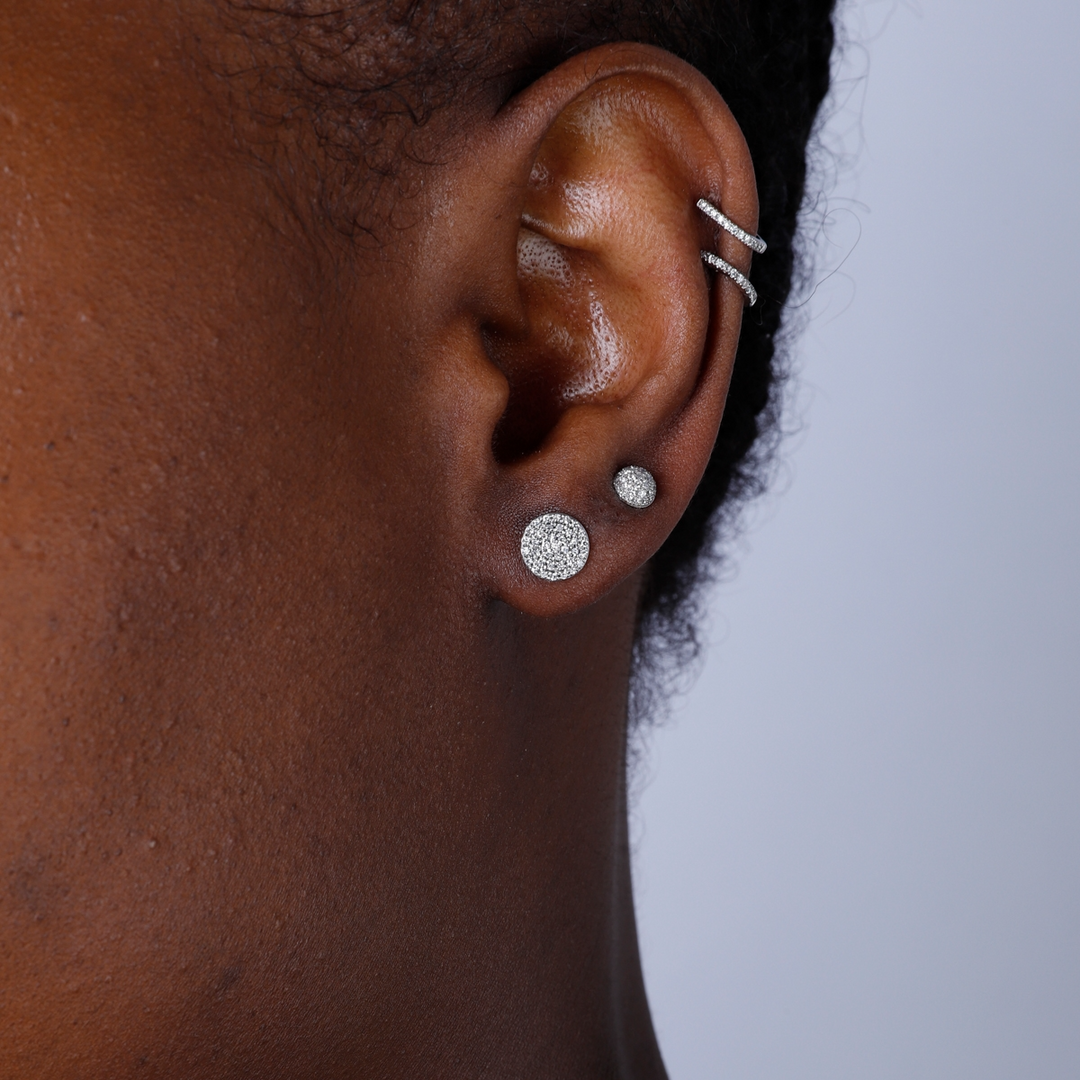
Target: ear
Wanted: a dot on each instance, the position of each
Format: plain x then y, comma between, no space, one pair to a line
604,341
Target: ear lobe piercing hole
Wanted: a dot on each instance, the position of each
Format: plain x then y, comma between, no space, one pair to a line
555,546
635,486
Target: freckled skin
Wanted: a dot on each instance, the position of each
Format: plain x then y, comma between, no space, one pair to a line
302,775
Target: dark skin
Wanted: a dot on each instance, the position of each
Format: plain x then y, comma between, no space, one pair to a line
303,773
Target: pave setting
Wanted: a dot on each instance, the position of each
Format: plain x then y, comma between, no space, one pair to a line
635,486
754,243
555,546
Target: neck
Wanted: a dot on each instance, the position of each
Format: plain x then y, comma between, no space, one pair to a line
352,846
426,874
548,851
517,866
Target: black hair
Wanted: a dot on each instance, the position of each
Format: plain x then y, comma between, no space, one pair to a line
770,60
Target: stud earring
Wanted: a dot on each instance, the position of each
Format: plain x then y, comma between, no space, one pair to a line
754,243
635,486
555,546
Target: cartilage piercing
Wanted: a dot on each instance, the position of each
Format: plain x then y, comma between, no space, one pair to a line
755,243
737,276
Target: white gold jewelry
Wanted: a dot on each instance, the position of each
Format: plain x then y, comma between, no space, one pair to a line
739,278
555,546
635,486
754,243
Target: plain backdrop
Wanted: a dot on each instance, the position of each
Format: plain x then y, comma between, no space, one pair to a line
857,837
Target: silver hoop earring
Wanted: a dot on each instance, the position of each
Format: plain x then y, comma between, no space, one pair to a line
555,546
754,243
635,486
737,276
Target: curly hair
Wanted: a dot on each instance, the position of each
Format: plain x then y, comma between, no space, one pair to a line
771,62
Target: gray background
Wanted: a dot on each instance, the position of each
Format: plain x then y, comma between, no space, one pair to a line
858,836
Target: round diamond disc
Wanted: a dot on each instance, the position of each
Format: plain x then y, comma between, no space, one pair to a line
555,546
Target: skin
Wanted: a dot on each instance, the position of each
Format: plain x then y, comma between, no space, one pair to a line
303,773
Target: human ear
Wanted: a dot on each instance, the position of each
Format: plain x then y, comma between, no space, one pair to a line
606,341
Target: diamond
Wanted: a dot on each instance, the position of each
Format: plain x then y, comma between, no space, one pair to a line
555,546
737,276
635,486
754,243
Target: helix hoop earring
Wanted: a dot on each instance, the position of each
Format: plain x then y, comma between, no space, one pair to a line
754,243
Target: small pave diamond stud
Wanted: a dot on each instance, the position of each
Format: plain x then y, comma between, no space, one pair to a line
555,546
635,486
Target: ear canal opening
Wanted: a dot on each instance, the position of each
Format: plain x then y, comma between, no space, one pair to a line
535,403
569,352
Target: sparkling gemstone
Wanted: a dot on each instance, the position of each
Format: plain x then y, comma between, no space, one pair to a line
635,486
555,546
